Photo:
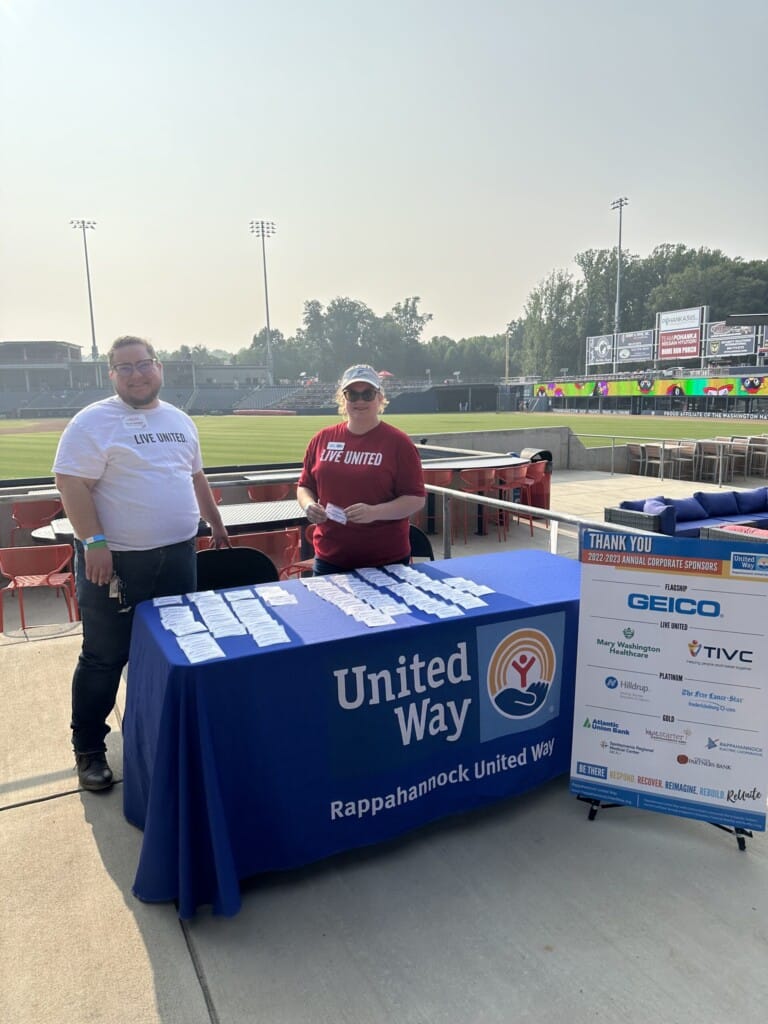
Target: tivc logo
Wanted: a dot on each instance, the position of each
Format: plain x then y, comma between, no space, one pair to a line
520,673
676,605
712,652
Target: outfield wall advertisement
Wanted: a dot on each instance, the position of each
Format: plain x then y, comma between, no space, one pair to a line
656,386
671,706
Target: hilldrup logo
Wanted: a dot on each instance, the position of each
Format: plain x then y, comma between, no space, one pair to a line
611,682
674,605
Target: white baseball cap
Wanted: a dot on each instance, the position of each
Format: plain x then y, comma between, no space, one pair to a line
363,374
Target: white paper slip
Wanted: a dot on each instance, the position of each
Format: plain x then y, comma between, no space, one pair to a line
277,595
176,616
468,601
230,629
234,596
335,513
200,648
370,617
271,641
186,628
159,601
468,586
447,611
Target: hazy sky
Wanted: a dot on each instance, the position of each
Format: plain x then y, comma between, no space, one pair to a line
458,151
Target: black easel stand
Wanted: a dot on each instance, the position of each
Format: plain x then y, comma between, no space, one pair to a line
740,833
595,805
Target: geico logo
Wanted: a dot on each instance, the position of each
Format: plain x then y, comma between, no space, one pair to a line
681,605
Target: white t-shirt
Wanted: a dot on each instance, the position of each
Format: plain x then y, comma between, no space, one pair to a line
143,460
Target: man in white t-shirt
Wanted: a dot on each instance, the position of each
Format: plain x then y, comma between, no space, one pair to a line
130,475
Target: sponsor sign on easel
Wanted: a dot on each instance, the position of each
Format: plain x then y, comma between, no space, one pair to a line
671,705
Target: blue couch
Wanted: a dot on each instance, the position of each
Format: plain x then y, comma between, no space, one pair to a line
685,517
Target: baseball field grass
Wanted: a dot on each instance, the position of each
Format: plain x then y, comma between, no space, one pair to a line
27,447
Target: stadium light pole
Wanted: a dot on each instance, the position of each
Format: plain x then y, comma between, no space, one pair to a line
264,229
88,225
618,204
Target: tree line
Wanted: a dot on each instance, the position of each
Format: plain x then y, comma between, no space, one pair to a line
559,314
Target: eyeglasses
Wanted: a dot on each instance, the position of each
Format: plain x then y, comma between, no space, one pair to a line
126,369
367,395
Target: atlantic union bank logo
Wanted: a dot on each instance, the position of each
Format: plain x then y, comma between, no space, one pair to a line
521,671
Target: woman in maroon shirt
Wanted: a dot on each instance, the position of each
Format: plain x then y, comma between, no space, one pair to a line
361,482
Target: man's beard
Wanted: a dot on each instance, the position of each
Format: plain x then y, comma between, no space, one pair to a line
137,402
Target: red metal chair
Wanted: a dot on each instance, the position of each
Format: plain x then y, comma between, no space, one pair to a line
217,495
44,565
282,546
301,566
271,492
29,515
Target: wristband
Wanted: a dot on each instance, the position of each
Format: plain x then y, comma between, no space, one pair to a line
98,540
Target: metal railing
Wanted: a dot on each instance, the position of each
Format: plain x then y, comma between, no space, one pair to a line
448,497
553,519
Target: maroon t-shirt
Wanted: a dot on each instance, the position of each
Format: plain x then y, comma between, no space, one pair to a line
342,468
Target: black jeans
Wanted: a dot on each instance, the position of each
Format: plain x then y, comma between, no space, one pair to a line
107,623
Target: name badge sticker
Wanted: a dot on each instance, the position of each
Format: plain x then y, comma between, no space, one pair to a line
336,446
138,421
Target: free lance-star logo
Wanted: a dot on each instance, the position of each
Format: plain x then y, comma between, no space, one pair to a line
694,647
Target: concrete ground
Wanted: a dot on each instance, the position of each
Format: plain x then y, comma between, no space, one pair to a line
523,912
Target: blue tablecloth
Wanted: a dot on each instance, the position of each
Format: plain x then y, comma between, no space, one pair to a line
348,735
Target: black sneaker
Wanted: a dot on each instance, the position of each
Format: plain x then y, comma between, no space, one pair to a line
93,770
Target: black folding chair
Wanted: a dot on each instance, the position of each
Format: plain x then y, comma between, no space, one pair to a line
218,568
421,546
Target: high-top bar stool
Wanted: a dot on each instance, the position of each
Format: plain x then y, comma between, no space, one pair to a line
509,481
427,518
534,472
476,481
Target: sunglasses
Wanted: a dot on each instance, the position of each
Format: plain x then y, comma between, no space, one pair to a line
126,369
367,395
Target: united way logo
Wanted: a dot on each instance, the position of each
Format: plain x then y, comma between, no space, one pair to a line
521,670
520,673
